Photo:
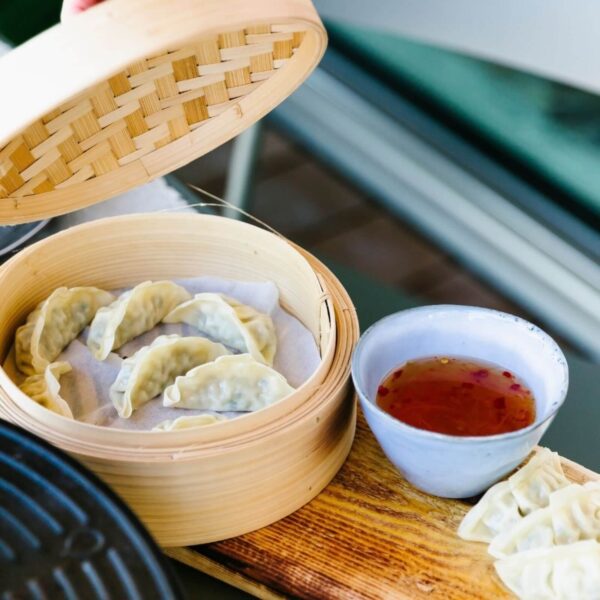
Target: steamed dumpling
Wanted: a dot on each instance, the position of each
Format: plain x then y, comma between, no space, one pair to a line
532,484
55,323
234,324
505,503
572,515
496,511
188,422
152,368
569,572
230,383
44,388
133,313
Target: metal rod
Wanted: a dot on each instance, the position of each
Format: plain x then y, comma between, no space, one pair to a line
240,175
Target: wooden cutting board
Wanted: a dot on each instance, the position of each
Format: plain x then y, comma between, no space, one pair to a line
369,534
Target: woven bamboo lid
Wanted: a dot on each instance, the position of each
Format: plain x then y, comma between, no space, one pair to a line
133,89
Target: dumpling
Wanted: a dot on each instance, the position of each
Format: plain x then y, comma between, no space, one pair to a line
572,515
152,368
569,572
55,323
188,422
44,388
579,518
507,502
532,484
133,313
496,511
234,324
230,383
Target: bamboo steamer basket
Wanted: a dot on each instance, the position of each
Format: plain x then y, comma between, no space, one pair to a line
124,93
204,484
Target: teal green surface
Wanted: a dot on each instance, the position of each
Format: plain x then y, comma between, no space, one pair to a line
197,585
22,19
551,127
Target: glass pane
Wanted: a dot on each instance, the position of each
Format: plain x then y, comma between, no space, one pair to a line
22,19
550,127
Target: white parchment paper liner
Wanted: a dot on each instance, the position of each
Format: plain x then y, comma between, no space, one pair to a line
86,387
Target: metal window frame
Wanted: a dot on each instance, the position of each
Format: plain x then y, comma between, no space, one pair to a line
413,178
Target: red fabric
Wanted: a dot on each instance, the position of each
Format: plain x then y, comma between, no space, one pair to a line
73,7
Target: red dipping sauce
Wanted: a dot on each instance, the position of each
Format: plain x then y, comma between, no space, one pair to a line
457,396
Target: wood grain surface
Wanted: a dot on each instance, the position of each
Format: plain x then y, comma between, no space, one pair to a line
369,534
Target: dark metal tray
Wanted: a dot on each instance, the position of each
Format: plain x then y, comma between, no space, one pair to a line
64,534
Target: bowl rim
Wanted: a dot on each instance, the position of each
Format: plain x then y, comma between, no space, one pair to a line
456,439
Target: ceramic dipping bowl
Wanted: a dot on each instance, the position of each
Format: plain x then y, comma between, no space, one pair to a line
447,465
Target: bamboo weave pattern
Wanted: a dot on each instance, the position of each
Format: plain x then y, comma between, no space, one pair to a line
152,103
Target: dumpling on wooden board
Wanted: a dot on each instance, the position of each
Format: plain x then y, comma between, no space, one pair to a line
55,323
230,383
572,515
570,572
496,511
152,368
134,312
230,322
44,388
532,484
507,502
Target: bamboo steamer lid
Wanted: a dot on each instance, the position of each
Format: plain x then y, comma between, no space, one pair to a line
133,89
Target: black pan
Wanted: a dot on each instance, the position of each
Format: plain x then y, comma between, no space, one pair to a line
64,534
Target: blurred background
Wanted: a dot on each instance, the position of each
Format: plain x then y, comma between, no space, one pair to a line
419,175
447,178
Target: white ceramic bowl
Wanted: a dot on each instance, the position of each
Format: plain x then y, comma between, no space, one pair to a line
447,465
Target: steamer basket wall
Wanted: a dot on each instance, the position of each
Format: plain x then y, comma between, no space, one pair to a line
187,485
